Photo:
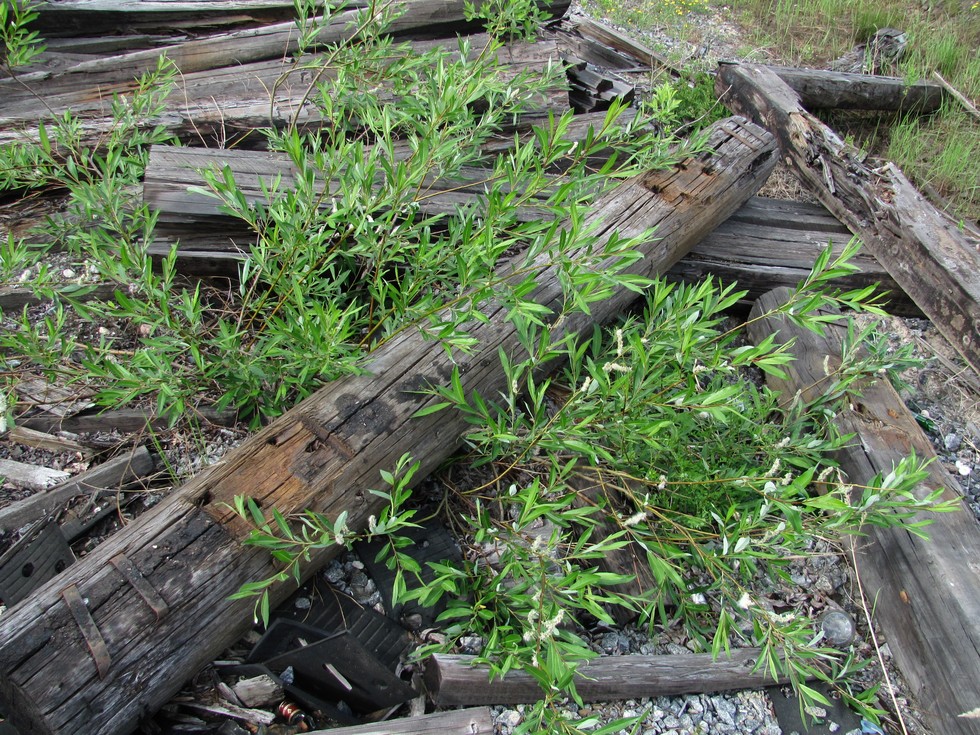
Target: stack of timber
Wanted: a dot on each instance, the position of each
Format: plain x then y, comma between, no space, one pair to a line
99,666
592,90
596,43
113,637
225,78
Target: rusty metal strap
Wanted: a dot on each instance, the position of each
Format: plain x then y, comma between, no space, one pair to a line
132,575
93,638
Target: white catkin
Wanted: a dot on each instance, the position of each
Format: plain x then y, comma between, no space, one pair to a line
635,519
615,367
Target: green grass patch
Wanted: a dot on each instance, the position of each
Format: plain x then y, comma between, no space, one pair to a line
648,15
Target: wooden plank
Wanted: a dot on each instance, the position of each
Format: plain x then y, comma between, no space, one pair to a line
124,420
324,454
471,721
770,243
925,594
819,89
453,680
43,440
59,401
218,105
765,244
597,35
923,250
15,298
59,18
114,473
29,476
211,244
593,489
72,87
171,171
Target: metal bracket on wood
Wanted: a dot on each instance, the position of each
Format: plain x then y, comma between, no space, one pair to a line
132,575
90,632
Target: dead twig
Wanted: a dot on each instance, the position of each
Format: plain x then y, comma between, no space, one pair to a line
960,97
874,640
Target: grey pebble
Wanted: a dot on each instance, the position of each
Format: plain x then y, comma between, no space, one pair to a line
614,643
510,718
334,572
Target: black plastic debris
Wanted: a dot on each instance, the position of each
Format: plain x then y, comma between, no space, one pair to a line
837,718
334,664
341,660
38,556
332,611
431,543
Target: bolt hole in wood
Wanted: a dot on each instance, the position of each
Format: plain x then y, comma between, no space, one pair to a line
27,570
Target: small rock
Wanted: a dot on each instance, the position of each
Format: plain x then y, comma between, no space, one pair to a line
333,573
801,579
725,710
303,603
952,442
509,718
614,643
471,644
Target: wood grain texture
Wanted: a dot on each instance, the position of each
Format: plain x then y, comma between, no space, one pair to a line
228,86
770,243
453,680
171,171
215,50
324,454
212,244
819,89
926,594
924,251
